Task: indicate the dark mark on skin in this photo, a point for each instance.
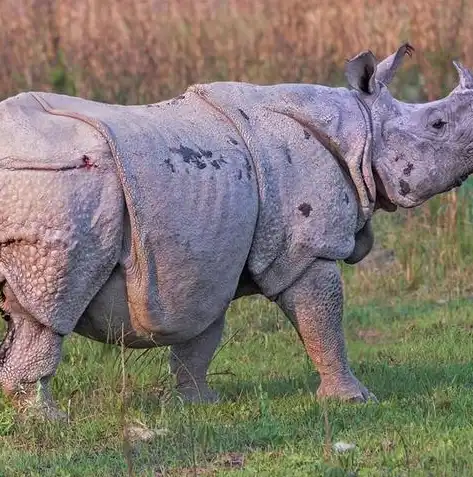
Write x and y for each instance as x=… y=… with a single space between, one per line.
x=346 y=199
x=244 y=114
x=408 y=169
x=288 y=155
x=399 y=156
x=305 y=208
x=205 y=153
x=170 y=164
x=239 y=174
x=216 y=163
x=405 y=187
x=248 y=167
x=306 y=134
x=233 y=141
x=189 y=156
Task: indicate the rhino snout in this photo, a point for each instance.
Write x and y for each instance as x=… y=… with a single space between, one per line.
x=398 y=191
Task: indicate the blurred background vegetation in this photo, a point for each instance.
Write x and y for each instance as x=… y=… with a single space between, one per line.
x=138 y=51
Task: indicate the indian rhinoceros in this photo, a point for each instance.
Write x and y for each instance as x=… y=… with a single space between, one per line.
x=145 y=222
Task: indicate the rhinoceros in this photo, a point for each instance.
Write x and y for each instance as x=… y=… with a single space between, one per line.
x=140 y=224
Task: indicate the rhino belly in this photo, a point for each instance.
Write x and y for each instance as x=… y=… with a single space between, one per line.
x=107 y=317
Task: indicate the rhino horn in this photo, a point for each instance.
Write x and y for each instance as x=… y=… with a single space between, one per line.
x=387 y=68
x=360 y=72
x=465 y=76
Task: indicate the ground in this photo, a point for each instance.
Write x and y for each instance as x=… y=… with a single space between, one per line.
x=415 y=356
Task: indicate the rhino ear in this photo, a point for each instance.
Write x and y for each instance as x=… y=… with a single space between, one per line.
x=360 y=72
x=465 y=76
x=387 y=68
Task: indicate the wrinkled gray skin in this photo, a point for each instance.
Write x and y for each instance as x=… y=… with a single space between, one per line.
x=150 y=220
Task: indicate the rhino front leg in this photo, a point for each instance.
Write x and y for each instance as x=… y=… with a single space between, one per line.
x=29 y=357
x=314 y=304
x=190 y=361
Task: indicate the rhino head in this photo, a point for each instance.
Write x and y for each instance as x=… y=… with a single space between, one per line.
x=418 y=150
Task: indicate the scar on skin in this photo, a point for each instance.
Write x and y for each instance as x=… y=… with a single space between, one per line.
x=88 y=164
x=305 y=208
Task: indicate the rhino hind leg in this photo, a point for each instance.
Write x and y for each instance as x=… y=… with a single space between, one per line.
x=314 y=305
x=29 y=356
x=190 y=361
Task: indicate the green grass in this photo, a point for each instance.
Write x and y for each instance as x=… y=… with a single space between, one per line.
x=415 y=356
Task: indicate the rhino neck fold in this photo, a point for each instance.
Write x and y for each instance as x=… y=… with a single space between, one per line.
x=342 y=124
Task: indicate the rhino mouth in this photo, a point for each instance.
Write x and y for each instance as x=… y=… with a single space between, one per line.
x=389 y=198
x=458 y=182
x=382 y=198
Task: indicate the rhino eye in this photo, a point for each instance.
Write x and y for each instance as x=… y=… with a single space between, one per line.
x=439 y=124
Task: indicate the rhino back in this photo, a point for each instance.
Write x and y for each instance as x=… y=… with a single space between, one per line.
x=192 y=203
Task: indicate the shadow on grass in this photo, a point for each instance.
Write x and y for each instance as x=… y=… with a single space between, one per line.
x=398 y=381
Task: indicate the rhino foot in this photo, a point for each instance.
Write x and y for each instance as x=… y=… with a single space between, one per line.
x=35 y=400
x=46 y=411
x=344 y=388
x=203 y=395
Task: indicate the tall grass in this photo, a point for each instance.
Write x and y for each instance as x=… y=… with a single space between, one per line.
x=136 y=51
x=144 y=50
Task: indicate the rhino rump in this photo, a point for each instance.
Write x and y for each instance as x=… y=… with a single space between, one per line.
x=62 y=212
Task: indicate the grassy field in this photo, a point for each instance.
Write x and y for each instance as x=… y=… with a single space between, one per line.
x=415 y=355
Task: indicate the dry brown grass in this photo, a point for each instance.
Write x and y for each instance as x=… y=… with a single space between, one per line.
x=135 y=51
